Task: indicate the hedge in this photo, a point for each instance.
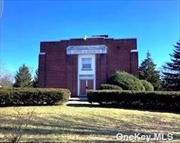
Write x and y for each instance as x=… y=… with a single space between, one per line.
x=147 y=85
x=110 y=87
x=33 y=96
x=126 y=81
x=137 y=99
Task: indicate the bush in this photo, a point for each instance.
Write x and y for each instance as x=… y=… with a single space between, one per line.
x=110 y=87
x=32 y=96
x=137 y=99
x=147 y=85
x=126 y=81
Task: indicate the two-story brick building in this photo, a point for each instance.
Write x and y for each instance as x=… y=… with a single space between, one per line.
x=87 y=62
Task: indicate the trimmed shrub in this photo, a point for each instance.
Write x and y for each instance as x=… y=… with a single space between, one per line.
x=33 y=96
x=126 y=81
x=110 y=87
x=147 y=85
x=157 y=100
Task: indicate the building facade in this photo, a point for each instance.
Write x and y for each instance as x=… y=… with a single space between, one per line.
x=80 y=64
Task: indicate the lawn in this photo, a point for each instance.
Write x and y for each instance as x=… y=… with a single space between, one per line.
x=83 y=124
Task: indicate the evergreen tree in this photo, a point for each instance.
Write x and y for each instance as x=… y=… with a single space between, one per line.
x=35 y=80
x=23 y=77
x=147 y=71
x=171 y=70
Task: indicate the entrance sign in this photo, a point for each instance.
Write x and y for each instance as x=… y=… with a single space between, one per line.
x=86 y=49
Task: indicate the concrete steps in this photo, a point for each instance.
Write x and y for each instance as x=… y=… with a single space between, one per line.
x=80 y=101
x=84 y=98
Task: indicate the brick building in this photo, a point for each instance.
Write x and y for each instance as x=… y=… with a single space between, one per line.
x=78 y=64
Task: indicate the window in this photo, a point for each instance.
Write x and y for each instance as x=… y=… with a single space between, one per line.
x=86 y=64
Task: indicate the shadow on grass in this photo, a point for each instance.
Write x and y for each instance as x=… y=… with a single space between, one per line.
x=131 y=107
x=70 y=125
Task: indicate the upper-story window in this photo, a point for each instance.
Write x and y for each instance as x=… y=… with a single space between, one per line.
x=86 y=64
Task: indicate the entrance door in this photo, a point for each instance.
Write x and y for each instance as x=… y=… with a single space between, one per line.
x=84 y=85
x=86 y=73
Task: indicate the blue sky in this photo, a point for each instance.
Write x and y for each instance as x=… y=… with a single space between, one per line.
x=24 y=23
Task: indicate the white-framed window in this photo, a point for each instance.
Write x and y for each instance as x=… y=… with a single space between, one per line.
x=86 y=64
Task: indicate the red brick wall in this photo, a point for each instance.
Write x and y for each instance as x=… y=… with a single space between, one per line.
x=42 y=71
x=56 y=69
x=101 y=69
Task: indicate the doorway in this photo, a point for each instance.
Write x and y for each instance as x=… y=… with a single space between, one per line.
x=86 y=73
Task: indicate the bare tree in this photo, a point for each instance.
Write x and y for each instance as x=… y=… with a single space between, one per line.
x=6 y=80
x=23 y=121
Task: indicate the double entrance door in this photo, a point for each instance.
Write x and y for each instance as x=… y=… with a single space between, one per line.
x=85 y=85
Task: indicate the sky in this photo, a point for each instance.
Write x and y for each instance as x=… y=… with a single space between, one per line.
x=24 y=23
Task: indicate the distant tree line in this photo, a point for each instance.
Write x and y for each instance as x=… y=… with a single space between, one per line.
x=169 y=79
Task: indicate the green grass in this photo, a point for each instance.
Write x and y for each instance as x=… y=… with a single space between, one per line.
x=83 y=124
